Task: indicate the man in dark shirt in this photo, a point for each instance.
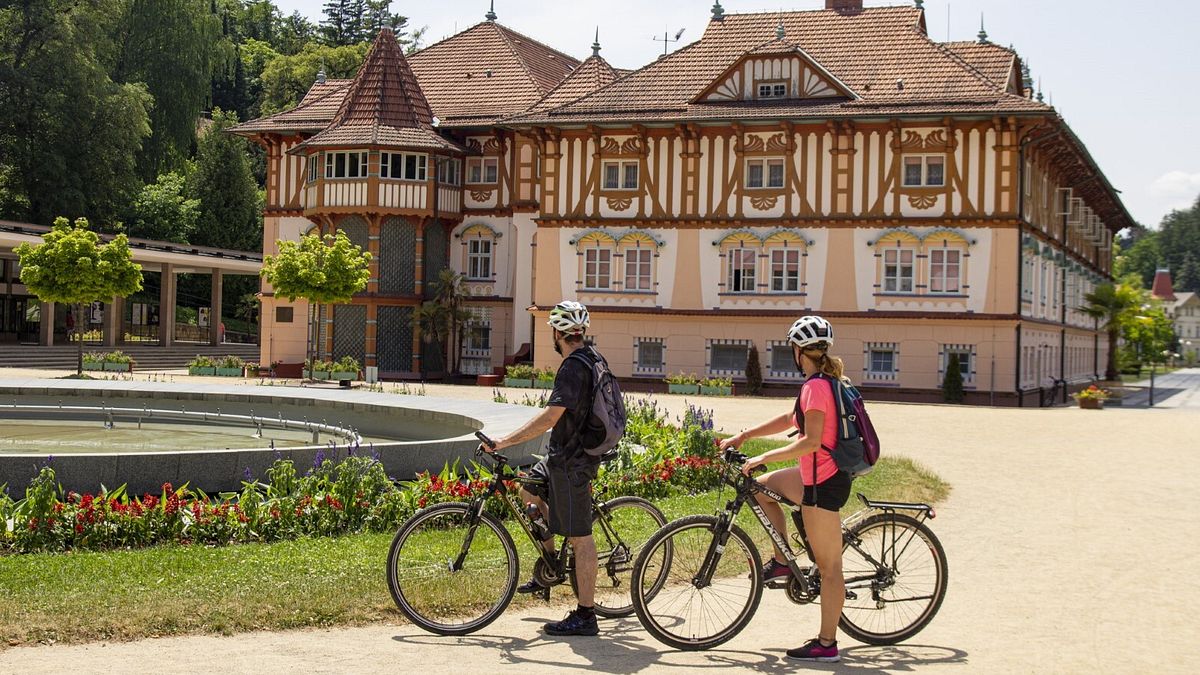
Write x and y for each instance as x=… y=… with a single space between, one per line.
x=567 y=469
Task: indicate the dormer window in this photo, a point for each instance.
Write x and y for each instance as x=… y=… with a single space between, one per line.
x=346 y=165
x=772 y=90
x=764 y=173
x=620 y=175
x=402 y=166
x=924 y=171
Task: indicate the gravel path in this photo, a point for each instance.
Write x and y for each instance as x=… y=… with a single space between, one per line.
x=1066 y=555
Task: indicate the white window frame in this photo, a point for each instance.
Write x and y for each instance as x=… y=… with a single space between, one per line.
x=766 y=181
x=626 y=174
x=944 y=276
x=356 y=158
x=450 y=172
x=479 y=260
x=899 y=277
x=774 y=351
x=967 y=369
x=711 y=351
x=641 y=368
x=593 y=259
x=924 y=161
x=870 y=352
x=732 y=267
x=641 y=260
x=774 y=89
x=488 y=170
x=782 y=277
x=312 y=168
x=395 y=166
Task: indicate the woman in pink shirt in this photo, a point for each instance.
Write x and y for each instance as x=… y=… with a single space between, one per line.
x=815 y=483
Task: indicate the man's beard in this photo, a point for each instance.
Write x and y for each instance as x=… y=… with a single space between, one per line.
x=557 y=346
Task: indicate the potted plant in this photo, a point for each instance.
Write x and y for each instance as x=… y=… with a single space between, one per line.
x=93 y=361
x=118 y=361
x=520 y=375
x=1092 y=398
x=683 y=383
x=202 y=365
x=231 y=366
x=252 y=369
x=544 y=378
x=717 y=386
x=345 y=369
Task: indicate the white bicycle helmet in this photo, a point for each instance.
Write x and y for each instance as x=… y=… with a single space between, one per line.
x=569 y=317
x=810 y=330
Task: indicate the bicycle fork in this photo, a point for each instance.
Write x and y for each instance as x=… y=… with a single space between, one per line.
x=456 y=565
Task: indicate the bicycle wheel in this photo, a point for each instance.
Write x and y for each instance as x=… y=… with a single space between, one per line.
x=425 y=588
x=681 y=615
x=633 y=521
x=900 y=587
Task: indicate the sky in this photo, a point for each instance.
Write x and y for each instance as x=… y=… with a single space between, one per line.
x=1122 y=73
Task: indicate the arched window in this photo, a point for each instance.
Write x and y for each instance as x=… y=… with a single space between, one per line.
x=638 y=251
x=596 y=252
x=740 y=251
x=896 y=251
x=785 y=253
x=947 y=254
x=479 y=249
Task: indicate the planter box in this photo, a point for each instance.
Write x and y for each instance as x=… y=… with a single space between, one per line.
x=683 y=388
x=1091 y=403
x=513 y=382
x=343 y=375
x=543 y=384
x=320 y=374
x=93 y=366
x=716 y=391
x=116 y=367
x=488 y=380
x=201 y=370
x=229 y=372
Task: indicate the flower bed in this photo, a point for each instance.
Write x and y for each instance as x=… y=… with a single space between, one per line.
x=654 y=460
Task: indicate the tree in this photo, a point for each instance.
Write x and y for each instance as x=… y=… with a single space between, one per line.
x=952 y=381
x=70 y=266
x=321 y=270
x=1178 y=236
x=1114 y=306
x=230 y=205
x=1140 y=257
x=443 y=318
x=1189 y=274
x=337 y=26
x=1148 y=333
x=754 y=379
x=286 y=79
x=163 y=211
x=294 y=34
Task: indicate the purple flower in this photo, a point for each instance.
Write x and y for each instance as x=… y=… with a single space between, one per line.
x=319 y=459
x=247 y=475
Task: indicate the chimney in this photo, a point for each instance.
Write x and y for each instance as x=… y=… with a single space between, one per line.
x=844 y=6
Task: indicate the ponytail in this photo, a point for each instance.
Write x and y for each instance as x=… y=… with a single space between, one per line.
x=831 y=366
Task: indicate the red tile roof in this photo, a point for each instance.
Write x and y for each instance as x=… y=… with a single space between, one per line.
x=992 y=61
x=881 y=53
x=488 y=72
x=1162 y=288
x=591 y=75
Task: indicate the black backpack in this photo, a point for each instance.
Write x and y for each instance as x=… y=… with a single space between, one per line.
x=608 y=406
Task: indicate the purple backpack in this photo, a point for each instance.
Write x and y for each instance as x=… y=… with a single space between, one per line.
x=857 y=449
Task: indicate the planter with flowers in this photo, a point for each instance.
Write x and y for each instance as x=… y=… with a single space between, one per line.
x=344 y=369
x=717 y=386
x=1092 y=398
x=683 y=383
x=202 y=365
x=520 y=375
x=544 y=379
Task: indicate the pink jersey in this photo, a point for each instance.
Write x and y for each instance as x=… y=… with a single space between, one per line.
x=817 y=394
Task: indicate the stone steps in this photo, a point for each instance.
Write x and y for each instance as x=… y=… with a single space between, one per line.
x=63 y=357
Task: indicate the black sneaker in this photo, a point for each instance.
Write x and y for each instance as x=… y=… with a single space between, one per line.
x=531 y=586
x=574 y=624
x=775 y=570
x=813 y=650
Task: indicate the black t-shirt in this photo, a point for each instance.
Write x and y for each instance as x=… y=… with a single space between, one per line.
x=573 y=391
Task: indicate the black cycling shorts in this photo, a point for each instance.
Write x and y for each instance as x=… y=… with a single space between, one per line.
x=832 y=494
x=568 y=493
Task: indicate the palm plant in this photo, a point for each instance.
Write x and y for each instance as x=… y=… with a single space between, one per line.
x=1113 y=305
x=442 y=318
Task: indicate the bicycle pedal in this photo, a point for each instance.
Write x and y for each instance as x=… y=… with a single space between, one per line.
x=544 y=594
x=781 y=582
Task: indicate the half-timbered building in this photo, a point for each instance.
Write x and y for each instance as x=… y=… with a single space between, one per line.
x=837 y=161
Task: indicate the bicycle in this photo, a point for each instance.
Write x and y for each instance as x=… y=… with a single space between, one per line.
x=452 y=568
x=894 y=567
x=1057 y=390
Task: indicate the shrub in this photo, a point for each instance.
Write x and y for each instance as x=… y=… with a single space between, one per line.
x=117 y=356
x=93 y=357
x=754 y=378
x=232 y=362
x=202 y=362
x=952 y=382
x=520 y=371
x=717 y=382
x=545 y=375
x=347 y=364
x=682 y=378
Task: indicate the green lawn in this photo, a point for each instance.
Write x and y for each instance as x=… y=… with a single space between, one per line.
x=78 y=597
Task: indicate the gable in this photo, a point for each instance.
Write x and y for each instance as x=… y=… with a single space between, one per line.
x=801 y=76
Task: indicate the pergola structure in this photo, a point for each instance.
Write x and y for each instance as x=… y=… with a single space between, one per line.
x=166 y=258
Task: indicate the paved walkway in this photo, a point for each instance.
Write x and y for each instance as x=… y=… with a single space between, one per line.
x=1066 y=555
x=1178 y=389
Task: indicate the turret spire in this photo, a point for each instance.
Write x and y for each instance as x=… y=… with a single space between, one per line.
x=983 y=38
x=780 y=31
x=596 y=44
x=718 y=12
x=491 y=15
x=920 y=4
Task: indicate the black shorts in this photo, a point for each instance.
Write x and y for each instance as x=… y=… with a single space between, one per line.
x=568 y=493
x=832 y=494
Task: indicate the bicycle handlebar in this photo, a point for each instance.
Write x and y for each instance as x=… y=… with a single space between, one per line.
x=485 y=441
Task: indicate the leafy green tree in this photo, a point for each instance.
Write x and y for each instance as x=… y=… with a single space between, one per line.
x=72 y=267
x=443 y=318
x=321 y=270
x=230 y=204
x=1114 y=306
x=168 y=46
x=286 y=79
x=1148 y=333
x=1178 y=236
x=295 y=32
x=69 y=134
x=754 y=378
x=952 y=381
x=163 y=211
x=1140 y=256
x=1189 y=274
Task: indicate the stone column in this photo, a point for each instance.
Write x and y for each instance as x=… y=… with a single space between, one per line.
x=214 y=315
x=114 y=313
x=46 y=327
x=166 y=307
